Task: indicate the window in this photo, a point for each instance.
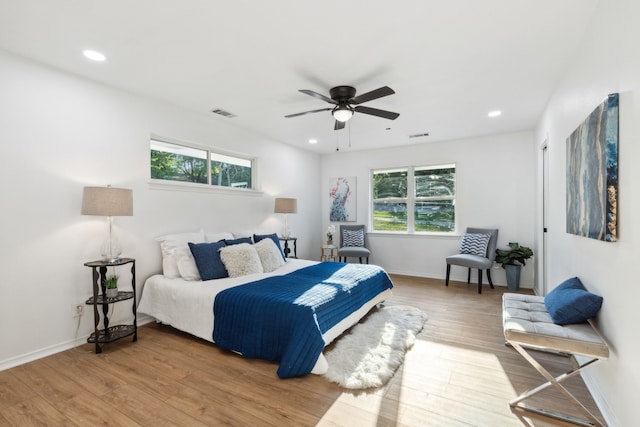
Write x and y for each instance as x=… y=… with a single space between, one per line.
x=414 y=199
x=176 y=162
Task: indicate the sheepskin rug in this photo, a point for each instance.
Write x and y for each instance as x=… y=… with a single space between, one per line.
x=370 y=353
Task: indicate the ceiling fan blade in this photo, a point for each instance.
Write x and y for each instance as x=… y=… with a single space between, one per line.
x=339 y=125
x=378 y=113
x=374 y=94
x=317 y=95
x=307 y=112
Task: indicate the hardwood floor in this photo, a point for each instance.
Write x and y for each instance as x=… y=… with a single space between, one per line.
x=459 y=373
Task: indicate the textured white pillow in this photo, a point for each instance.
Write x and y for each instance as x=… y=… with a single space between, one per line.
x=240 y=260
x=187 y=264
x=270 y=255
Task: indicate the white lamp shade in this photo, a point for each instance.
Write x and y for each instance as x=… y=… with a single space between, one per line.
x=285 y=205
x=107 y=201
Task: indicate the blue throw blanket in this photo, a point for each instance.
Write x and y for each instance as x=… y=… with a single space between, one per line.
x=282 y=318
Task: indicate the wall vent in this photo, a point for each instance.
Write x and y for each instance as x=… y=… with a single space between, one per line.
x=223 y=113
x=418 y=135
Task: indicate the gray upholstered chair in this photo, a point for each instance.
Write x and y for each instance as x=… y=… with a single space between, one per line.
x=349 y=247
x=476 y=261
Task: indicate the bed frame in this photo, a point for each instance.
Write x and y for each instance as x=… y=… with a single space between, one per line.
x=528 y=325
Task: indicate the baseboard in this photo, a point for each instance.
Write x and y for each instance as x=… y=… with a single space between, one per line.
x=453 y=278
x=56 y=348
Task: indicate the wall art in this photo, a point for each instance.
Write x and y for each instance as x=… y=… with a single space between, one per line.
x=342 y=194
x=592 y=174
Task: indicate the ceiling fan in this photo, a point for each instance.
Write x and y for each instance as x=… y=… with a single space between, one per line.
x=344 y=98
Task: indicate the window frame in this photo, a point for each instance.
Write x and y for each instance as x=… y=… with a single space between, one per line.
x=208 y=186
x=411 y=200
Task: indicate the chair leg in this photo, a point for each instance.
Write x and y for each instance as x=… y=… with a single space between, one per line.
x=469 y=276
x=367 y=260
x=479 y=280
x=489 y=277
x=446 y=282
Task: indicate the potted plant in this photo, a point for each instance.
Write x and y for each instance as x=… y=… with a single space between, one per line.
x=111 y=285
x=330 y=231
x=512 y=260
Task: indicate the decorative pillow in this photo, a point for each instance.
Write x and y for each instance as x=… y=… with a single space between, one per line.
x=570 y=303
x=169 y=243
x=207 y=256
x=273 y=237
x=241 y=259
x=216 y=237
x=475 y=244
x=353 y=238
x=242 y=233
x=187 y=264
x=230 y=242
x=270 y=255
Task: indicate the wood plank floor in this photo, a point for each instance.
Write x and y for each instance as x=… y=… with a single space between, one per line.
x=459 y=373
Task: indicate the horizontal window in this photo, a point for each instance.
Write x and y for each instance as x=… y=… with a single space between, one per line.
x=181 y=163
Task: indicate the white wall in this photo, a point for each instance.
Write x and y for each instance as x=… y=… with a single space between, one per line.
x=495 y=186
x=59 y=133
x=607 y=62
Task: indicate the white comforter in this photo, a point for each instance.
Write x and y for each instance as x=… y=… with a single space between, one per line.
x=188 y=305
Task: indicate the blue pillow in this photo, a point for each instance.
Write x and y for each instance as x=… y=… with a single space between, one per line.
x=274 y=237
x=207 y=256
x=570 y=303
x=237 y=241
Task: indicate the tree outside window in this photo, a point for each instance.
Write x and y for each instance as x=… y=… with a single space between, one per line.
x=175 y=162
x=414 y=199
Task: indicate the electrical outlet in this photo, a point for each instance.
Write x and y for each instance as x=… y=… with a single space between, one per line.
x=77 y=310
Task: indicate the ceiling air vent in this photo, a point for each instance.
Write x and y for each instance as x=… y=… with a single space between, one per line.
x=223 y=113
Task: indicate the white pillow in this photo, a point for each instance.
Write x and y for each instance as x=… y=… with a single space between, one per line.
x=242 y=233
x=169 y=244
x=216 y=237
x=270 y=255
x=240 y=260
x=187 y=264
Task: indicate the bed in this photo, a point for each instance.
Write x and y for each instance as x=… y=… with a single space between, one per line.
x=188 y=305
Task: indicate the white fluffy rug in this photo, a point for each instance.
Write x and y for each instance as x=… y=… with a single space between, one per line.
x=370 y=353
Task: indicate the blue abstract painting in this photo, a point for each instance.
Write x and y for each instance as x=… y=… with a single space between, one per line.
x=592 y=174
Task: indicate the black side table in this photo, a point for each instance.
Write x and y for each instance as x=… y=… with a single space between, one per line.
x=110 y=333
x=286 y=248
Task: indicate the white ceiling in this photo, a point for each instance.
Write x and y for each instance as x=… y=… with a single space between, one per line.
x=450 y=62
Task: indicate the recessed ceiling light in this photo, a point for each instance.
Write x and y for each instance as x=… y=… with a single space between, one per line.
x=94 y=55
x=313 y=141
x=495 y=113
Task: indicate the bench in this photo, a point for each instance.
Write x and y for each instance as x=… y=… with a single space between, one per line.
x=528 y=325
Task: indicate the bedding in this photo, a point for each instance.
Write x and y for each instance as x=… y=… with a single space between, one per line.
x=188 y=305
x=297 y=307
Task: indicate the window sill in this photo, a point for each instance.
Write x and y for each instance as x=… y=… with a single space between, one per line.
x=157 y=184
x=418 y=235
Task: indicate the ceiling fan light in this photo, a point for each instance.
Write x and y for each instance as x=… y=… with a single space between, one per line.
x=342 y=113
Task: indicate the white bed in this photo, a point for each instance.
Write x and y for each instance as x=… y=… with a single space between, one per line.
x=188 y=305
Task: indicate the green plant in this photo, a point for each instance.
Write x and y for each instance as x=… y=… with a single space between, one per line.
x=515 y=255
x=111 y=281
